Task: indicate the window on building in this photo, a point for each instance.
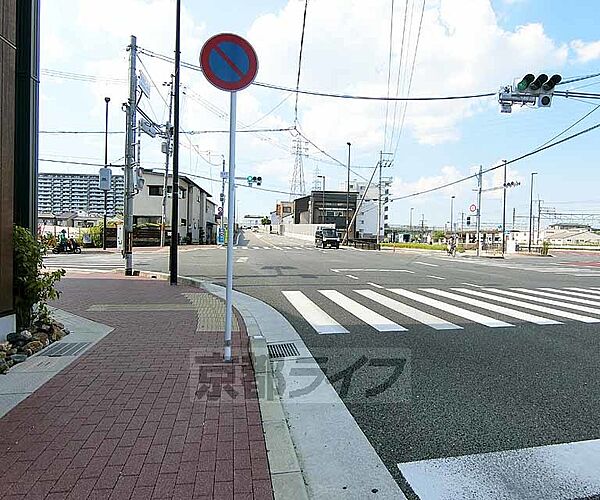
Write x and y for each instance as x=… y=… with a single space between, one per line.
x=155 y=190
x=183 y=222
x=362 y=221
x=182 y=193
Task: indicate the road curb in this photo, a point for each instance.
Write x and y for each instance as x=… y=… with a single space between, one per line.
x=286 y=476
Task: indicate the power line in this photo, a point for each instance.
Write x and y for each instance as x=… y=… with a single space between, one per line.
x=300 y=61
x=514 y=160
x=412 y=71
x=387 y=104
x=331 y=94
x=570 y=126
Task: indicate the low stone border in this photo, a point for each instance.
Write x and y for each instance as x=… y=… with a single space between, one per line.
x=286 y=477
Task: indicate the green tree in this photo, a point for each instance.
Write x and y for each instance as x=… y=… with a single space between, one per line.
x=438 y=235
x=265 y=221
x=32 y=286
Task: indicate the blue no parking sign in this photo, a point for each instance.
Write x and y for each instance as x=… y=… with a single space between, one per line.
x=228 y=62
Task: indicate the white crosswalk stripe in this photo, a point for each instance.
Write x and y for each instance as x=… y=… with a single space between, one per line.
x=551 y=302
x=320 y=317
x=554 y=293
x=529 y=305
x=588 y=291
x=406 y=310
x=457 y=311
x=377 y=321
x=488 y=306
x=313 y=314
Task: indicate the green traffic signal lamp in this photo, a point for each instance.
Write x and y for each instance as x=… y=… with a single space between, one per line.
x=551 y=83
x=525 y=82
x=249 y=178
x=538 y=82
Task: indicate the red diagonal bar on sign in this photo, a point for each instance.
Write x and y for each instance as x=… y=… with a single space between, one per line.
x=229 y=61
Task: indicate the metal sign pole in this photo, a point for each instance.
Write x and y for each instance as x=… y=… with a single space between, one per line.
x=230 y=228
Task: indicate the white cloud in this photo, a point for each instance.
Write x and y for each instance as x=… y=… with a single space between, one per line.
x=586 y=51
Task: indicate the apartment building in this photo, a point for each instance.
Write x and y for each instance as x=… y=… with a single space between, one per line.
x=61 y=193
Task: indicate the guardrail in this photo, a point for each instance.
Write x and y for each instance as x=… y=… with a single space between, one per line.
x=365 y=244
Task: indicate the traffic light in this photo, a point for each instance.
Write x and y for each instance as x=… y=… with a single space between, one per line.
x=529 y=90
x=525 y=82
x=253 y=179
x=538 y=82
x=468 y=220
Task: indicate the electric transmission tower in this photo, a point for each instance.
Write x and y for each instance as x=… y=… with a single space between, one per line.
x=316 y=182
x=297 y=185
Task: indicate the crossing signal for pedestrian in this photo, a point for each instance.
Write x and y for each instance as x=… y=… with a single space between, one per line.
x=253 y=179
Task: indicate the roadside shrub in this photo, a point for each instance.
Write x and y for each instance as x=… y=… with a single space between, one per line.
x=32 y=286
x=424 y=246
x=545 y=247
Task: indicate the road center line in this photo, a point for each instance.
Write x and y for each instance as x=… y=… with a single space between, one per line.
x=426 y=264
x=375 y=285
x=351 y=276
x=436 y=277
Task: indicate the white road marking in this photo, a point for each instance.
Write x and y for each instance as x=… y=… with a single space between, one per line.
x=436 y=277
x=472 y=284
x=335 y=270
x=278 y=248
x=457 y=311
x=528 y=305
x=406 y=310
x=552 y=472
x=550 y=302
x=242 y=259
x=298 y=248
x=351 y=276
x=587 y=291
x=556 y=293
x=375 y=270
x=426 y=264
x=377 y=321
x=267 y=248
x=255 y=248
x=513 y=313
x=313 y=314
x=375 y=285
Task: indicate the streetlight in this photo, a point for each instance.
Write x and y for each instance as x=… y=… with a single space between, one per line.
x=504 y=213
x=411 y=211
x=348 y=199
x=323 y=204
x=531 y=211
x=106 y=100
x=452 y=215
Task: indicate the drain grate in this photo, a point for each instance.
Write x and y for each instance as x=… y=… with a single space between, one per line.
x=287 y=350
x=65 y=349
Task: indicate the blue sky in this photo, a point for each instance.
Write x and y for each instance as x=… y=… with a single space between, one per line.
x=465 y=46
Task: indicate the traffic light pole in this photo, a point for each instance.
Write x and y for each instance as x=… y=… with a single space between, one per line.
x=480 y=181
x=504 y=213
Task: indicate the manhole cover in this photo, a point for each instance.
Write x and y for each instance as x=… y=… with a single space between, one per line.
x=287 y=350
x=65 y=349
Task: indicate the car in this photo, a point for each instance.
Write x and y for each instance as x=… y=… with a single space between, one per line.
x=255 y=229
x=327 y=236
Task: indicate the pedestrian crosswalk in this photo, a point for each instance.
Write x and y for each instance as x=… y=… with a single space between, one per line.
x=276 y=247
x=327 y=311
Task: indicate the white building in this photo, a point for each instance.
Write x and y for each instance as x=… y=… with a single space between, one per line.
x=366 y=219
x=197 y=220
x=61 y=193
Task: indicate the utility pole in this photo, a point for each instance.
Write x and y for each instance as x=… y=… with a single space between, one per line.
x=539 y=220
x=480 y=182
x=462 y=222
x=514 y=218
x=504 y=212
x=410 y=221
x=130 y=160
x=175 y=190
x=379 y=200
x=452 y=216
x=106 y=100
x=163 y=217
x=531 y=211
x=348 y=198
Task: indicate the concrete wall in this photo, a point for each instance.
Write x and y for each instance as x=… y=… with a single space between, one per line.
x=301 y=231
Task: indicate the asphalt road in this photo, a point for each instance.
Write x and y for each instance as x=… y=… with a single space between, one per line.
x=468 y=384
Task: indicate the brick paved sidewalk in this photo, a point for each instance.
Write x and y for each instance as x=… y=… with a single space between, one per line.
x=147 y=412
